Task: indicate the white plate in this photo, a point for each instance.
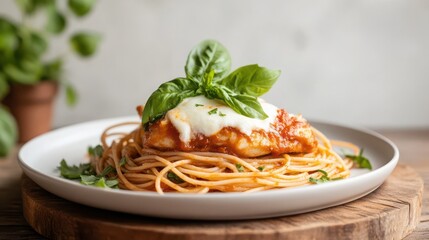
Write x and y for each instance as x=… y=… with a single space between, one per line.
x=40 y=157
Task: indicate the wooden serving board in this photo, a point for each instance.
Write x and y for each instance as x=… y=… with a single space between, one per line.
x=390 y=212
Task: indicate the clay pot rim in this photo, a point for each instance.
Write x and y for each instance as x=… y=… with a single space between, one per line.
x=43 y=91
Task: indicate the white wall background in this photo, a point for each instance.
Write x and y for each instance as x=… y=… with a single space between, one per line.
x=353 y=62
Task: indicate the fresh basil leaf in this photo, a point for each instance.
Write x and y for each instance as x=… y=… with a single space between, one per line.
x=98 y=151
x=52 y=70
x=32 y=66
x=56 y=22
x=31 y=6
x=27 y=6
x=168 y=96
x=208 y=88
x=251 y=80
x=206 y=56
x=33 y=43
x=8 y=42
x=38 y=43
x=243 y=104
x=6 y=24
x=100 y=182
x=206 y=65
x=88 y=179
x=106 y=171
x=174 y=178
x=4 y=86
x=81 y=7
x=360 y=160
x=112 y=183
x=73 y=171
x=71 y=95
x=85 y=44
x=8 y=132
x=18 y=75
x=90 y=151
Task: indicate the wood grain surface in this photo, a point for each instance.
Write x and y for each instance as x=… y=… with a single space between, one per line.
x=390 y=212
x=412 y=143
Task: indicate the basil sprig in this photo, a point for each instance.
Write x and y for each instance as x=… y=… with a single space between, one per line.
x=207 y=73
x=360 y=160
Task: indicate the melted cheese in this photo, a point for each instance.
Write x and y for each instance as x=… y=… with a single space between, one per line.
x=190 y=118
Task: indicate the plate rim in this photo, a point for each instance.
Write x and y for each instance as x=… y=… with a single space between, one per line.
x=218 y=200
x=392 y=161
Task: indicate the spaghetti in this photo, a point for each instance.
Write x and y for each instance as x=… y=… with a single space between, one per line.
x=144 y=169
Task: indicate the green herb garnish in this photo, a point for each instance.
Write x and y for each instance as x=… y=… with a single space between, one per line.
x=261 y=168
x=239 y=167
x=213 y=111
x=208 y=73
x=96 y=151
x=361 y=161
x=174 y=178
x=90 y=151
x=222 y=114
x=325 y=174
x=86 y=174
x=199 y=105
x=99 y=181
x=324 y=178
x=107 y=170
x=123 y=161
x=73 y=171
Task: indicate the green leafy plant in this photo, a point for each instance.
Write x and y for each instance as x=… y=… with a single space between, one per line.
x=23 y=49
x=208 y=73
x=8 y=132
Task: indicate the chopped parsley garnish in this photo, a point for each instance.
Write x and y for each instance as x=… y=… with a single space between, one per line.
x=123 y=161
x=261 y=168
x=213 y=111
x=87 y=176
x=174 y=178
x=239 y=167
x=107 y=170
x=96 y=151
x=99 y=181
x=361 y=161
x=74 y=172
x=324 y=178
x=222 y=114
x=90 y=151
x=323 y=172
x=199 y=105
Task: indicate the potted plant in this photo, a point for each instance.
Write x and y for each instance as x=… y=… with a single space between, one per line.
x=28 y=79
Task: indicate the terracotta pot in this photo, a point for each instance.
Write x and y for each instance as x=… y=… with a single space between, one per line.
x=32 y=107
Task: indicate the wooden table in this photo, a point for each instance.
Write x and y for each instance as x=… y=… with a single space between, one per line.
x=413 y=146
